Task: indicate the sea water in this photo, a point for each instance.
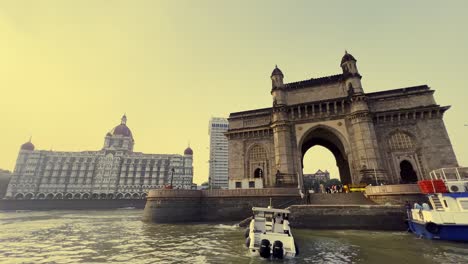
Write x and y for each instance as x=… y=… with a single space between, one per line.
x=119 y=236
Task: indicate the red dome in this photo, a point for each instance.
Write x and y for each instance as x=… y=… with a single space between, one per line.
x=27 y=146
x=188 y=151
x=122 y=130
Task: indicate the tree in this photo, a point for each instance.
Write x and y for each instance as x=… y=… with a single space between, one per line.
x=332 y=182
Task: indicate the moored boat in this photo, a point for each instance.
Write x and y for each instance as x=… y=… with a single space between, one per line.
x=447 y=216
x=269 y=234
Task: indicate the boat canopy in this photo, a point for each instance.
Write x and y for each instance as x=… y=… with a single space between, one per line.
x=271 y=210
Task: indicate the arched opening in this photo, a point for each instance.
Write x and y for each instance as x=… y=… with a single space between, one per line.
x=50 y=196
x=258 y=173
x=102 y=196
x=143 y=196
x=68 y=196
x=85 y=196
x=258 y=165
x=110 y=196
x=58 y=196
x=407 y=173
x=136 y=196
x=41 y=196
x=119 y=196
x=77 y=196
x=19 y=196
x=28 y=196
x=95 y=196
x=127 y=196
x=324 y=137
x=320 y=170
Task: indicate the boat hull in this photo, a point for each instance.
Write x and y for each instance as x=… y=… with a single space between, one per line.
x=444 y=232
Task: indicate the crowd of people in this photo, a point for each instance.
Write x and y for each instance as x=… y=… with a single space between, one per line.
x=334 y=188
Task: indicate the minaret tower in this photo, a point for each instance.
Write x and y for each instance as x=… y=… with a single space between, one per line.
x=282 y=135
x=361 y=126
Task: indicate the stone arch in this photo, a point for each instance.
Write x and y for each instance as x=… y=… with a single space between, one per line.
x=102 y=196
x=49 y=196
x=120 y=196
x=143 y=196
x=77 y=196
x=334 y=141
x=110 y=196
x=258 y=159
x=95 y=196
x=407 y=172
x=19 y=196
x=402 y=144
x=135 y=196
x=68 y=196
x=58 y=196
x=85 y=196
x=127 y=196
x=41 y=196
x=29 y=196
x=258 y=173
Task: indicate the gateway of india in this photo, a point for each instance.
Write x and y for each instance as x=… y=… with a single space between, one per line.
x=393 y=136
x=114 y=172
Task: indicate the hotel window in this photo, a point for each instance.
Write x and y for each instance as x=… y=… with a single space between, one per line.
x=251 y=184
x=238 y=185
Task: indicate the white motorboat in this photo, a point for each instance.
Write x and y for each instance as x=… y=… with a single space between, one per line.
x=269 y=234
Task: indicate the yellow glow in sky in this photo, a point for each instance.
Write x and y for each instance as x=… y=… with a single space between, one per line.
x=70 y=69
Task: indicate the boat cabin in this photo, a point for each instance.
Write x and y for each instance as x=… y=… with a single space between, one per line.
x=270 y=220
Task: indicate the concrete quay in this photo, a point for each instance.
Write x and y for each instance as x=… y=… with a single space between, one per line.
x=175 y=206
x=104 y=204
x=327 y=211
x=365 y=217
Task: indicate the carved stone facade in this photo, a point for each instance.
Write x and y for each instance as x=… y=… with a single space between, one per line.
x=115 y=172
x=393 y=136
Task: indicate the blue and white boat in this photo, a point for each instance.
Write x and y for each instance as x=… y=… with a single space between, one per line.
x=447 y=216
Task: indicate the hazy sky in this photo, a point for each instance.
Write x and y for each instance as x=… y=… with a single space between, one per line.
x=70 y=69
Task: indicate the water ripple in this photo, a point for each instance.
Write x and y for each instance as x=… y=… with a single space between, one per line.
x=119 y=236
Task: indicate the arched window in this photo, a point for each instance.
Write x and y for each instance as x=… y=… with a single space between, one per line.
x=257 y=153
x=258 y=173
x=400 y=140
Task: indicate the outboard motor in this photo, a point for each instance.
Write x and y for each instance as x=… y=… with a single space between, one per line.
x=265 y=248
x=278 y=249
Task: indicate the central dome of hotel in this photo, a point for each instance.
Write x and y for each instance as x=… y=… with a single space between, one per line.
x=122 y=129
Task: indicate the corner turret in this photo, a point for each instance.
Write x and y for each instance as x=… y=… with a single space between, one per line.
x=351 y=74
x=277 y=86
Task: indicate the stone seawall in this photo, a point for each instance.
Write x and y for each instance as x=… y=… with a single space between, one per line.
x=372 y=217
x=171 y=206
x=396 y=194
x=70 y=204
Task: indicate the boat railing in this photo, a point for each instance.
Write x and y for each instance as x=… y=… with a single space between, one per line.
x=450 y=174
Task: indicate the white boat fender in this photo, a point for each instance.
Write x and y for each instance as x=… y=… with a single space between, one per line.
x=265 y=248
x=432 y=228
x=278 y=249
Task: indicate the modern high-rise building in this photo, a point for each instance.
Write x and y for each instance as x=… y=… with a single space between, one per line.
x=114 y=172
x=218 y=152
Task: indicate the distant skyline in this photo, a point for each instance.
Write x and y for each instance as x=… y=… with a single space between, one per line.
x=70 y=69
